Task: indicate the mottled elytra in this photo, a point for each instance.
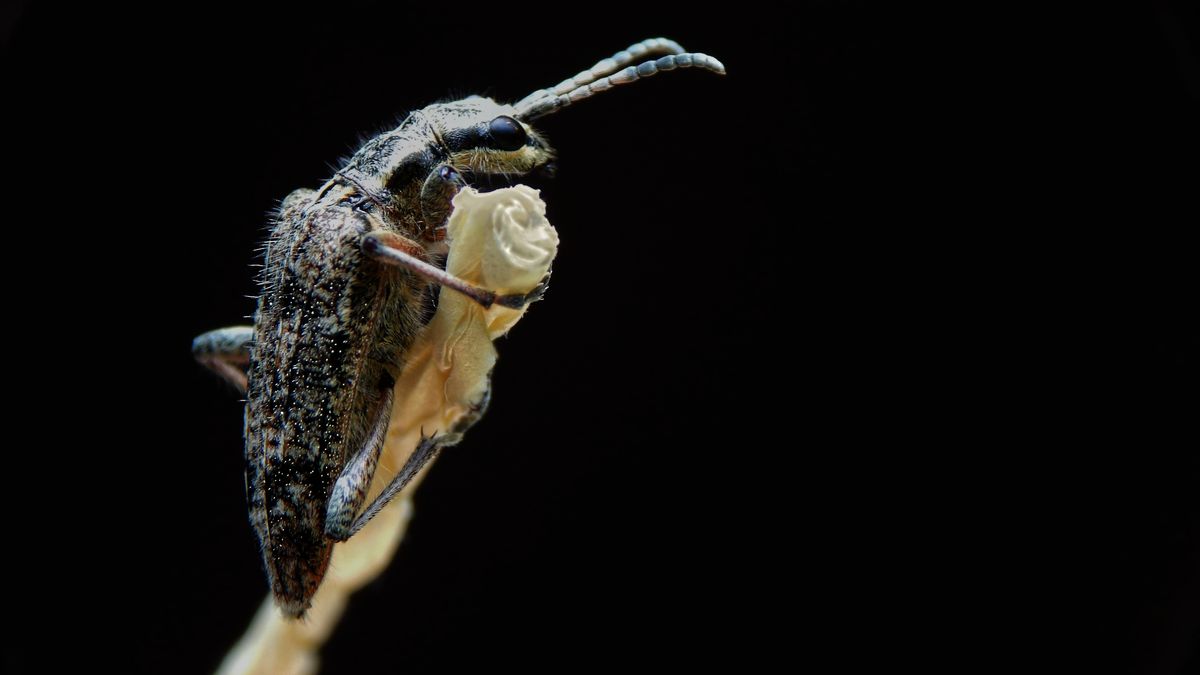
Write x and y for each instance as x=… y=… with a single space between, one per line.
x=343 y=292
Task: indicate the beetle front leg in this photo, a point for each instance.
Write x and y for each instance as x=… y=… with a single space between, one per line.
x=436 y=194
x=226 y=351
x=393 y=249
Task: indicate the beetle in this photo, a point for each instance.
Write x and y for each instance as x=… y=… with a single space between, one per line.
x=344 y=286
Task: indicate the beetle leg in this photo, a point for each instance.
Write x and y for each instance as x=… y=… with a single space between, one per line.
x=226 y=351
x=426 y=450
x=391 y=248
x=350 y=490
x=439 y=188
x=338 y=518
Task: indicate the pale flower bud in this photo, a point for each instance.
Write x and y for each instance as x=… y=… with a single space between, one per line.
x=501 y=240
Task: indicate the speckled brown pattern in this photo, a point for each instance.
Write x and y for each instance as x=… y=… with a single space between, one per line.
x=330 y=325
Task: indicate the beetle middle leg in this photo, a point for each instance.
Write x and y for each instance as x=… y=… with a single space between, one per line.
x=393 y=249
x=226 y=351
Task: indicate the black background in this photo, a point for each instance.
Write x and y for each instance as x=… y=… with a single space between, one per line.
x=833 y=343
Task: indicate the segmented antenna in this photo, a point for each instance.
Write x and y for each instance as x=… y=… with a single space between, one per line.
x=641 y=50
x=601 y=77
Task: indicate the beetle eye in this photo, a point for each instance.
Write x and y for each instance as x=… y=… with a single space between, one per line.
x=506 y=133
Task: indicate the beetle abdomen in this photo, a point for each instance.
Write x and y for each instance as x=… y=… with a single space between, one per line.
x=314 y=384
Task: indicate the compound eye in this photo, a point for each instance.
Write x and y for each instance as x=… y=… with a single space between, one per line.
x=506 y=133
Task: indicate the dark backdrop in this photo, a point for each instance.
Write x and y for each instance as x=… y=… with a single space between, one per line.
x=821 y=334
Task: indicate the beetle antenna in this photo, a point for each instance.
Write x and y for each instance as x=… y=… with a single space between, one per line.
x=604 y=75
x=643 y=50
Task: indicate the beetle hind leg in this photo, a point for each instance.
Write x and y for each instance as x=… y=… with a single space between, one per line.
x=340 y=516
x=350 y=489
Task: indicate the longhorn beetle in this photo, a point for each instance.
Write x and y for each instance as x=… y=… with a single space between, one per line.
x=343 y=287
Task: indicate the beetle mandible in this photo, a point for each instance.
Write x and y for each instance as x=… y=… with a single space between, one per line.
x=343 y=293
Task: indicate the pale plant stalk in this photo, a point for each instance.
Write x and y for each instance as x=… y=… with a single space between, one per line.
x=499 y=240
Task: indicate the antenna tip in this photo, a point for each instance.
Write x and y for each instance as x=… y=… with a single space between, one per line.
x=710 y=63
